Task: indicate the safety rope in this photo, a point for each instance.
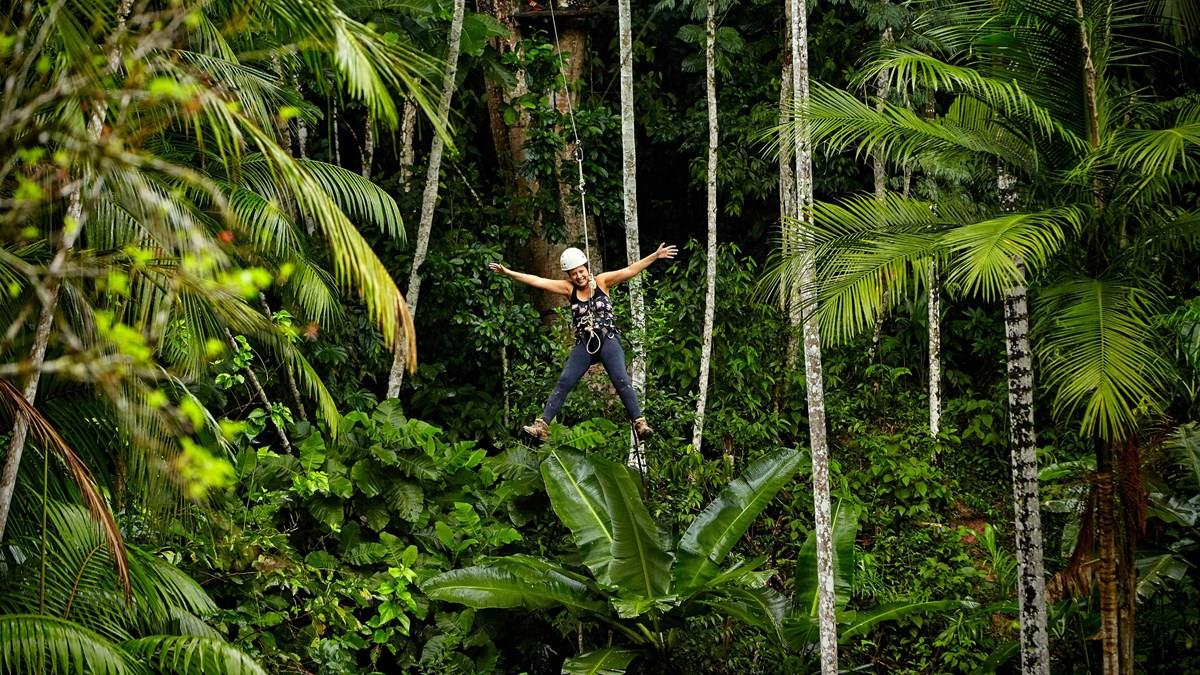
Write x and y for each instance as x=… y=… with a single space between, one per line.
x=578 y=155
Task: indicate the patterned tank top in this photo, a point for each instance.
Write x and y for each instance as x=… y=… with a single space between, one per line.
x=598 y=306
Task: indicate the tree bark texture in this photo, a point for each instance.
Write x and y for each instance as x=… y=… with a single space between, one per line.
x=935 y=350
x=787 y=195
x=710 y=296
x=629 y=182
x=72 y=229
x=1107 y=531
x=408 y=130
x=368 y=146
x=879 y=169
x=813 y=376
x=1031 y=582
x=429 y=197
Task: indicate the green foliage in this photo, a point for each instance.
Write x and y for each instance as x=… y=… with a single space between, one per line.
x=639 y=583
x=324 y=551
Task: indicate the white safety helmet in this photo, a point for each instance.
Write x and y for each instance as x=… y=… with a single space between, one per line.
x=572 y=258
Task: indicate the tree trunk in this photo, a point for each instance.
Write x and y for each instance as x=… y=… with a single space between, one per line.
x=710 y=299
x=935 y=350
x=1031 y=582
x=408 y=129
x=629 y=182
x=72 y=228
x=879 y=167
x=429 y=197
x=368 y=147
x=1107 y=530
x=813 y=376
x=787 y=196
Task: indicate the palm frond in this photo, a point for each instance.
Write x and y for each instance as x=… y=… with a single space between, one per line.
x=190 y=655
x=32 y=643
x=984 y=255
x=14 y=402
x=1098 y=344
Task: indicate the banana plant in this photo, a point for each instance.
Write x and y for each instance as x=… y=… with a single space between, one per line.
x=638 y=583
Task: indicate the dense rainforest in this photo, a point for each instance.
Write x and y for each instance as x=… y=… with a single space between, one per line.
x=286 y=286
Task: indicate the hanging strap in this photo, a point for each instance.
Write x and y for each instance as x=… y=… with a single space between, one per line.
x=578 y=154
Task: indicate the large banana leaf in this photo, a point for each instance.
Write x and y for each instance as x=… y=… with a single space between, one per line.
x=641 y=564
x=607 y=661
x=762 y=608
x=845 y=528
x=713 y=534
x=578 y=500
x=513 y=583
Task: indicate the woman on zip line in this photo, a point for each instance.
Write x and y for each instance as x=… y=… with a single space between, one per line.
x=596 y=336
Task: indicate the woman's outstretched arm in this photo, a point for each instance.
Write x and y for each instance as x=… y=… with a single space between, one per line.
x=560 y=286
x=610 y=279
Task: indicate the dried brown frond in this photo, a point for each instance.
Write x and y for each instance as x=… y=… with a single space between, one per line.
x=15 y=404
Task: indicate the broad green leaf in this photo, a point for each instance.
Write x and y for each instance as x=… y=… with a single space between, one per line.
x=845 y=528
x=607 y=661
x=714 y=533
x=762 y=608
x=640 y=564
x=578 y=500
x=510 y=585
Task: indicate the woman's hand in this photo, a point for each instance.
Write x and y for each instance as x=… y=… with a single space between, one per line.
x=666 y=252
x=498 y=268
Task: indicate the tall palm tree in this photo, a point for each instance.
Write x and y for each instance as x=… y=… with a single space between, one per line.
x=1084 y=197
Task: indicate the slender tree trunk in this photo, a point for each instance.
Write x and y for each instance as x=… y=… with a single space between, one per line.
x=813 y=376
x=879 y=166
x=1031 y=582
x=629 y=181
x=72 y=228
x=368 y=146
x=429 y=197
x=935 y=350
x=334 y=141
x=1107 y=529
x=787 y=195
x=710 y=299
x=408 y=129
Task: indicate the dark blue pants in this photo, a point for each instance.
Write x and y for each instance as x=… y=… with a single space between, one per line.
x=613 y=358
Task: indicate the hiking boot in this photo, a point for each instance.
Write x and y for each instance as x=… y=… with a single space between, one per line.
x=642 y=428
x=539 y=429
